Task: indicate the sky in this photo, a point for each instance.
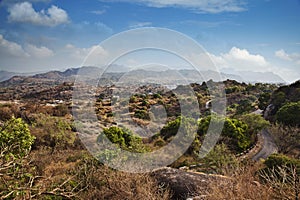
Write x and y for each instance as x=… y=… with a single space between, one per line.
x=238 y=35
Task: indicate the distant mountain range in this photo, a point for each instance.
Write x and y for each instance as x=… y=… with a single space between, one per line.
x=120 y=74
x=5 y=75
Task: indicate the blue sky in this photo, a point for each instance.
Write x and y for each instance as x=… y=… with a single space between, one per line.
x=243 y=35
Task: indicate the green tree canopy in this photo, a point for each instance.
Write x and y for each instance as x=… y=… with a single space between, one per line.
x=236 y=131
x=264 y=100
x=172 y=127
x=289 y=114
x=124 y=138
x=245 y=106
x=255 y=122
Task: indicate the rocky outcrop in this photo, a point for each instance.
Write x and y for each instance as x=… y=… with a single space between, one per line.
x=185 y=185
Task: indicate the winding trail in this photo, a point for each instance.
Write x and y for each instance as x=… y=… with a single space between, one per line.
x=268 y=146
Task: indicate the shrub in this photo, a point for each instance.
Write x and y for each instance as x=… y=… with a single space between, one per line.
x=235 y=132
x=245 y=106
x=172 y=127
x=124 y=138
x=255 y=122
x=280 y=160
x=264 y=100
x=289 y=114
x=15 y=136
x=283 y=175
x=55 y=132
x=220 y=160
x=141 y=114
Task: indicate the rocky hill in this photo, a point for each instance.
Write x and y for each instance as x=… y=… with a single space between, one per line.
x=281 y=96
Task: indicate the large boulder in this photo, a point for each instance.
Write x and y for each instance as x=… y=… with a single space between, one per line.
x=184 y=184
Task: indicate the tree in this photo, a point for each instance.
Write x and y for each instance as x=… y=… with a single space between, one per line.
x=15 y=138
x=187 y=124
x=235 y=132
x=238 y=132
x=264 y=100
x=244 y=106
x=278 y=98
x=289 y=114
x=255 y=122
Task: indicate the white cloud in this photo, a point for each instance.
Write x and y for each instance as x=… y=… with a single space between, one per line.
x=38 y=52
x=139 y=24
x=243 y=55
x=241 y=60
x=80 y=54
x=11 y=48
x=25 y=13
x=204 y=6
x=294 y=57
x=77 y=53
x=282 y=55
x=15 y=57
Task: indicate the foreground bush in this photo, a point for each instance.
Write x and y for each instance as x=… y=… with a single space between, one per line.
x=282 y=174
x=15 y=138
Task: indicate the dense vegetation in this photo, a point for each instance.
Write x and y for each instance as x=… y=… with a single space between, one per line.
x=41 y=155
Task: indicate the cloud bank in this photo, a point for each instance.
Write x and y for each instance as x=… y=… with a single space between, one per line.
x=25 y=13
x=294 y=57
x=241 y=60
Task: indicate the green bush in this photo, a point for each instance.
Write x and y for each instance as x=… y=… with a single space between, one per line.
x=170 y=129
x=220 y=160
x=279 y=98
x=16 y=138
x=245 y=106
x=280 y=160
x=264 y=100
x=236 y=131
x=255 y=122
x=124 y=138
x=289 y=114
x=141 y=114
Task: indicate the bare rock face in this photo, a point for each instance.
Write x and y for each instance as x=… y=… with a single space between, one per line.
x=185 y=185
x=269 y=111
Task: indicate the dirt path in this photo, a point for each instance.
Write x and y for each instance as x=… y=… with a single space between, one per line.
x=268 y=147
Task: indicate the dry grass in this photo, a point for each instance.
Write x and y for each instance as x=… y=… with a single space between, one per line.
x=242 y=185
x=120 y=185
x=81 y=176
x=287 y=139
